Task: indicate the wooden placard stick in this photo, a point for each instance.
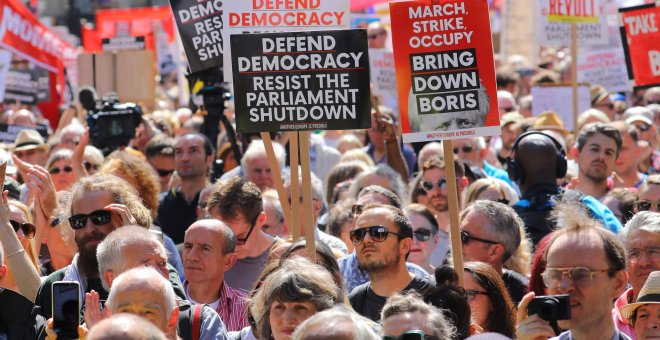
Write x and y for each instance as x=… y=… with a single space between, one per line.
x=574 y=80
x=308 y=215
x=294 y=229
x=277 y=177
x=452 y=197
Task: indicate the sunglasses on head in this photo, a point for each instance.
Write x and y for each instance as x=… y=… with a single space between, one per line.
x=440 y=184
x=28 y=228
x=465 y=149
x=466 y=238
x=55 y=171
x=98 y=217
x=644 y=205
x=163 y=172
x=377 y=233
x=423 y=234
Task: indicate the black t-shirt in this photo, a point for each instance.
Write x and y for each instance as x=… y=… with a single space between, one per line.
x=175 y=215
x=516 y=284
x=369 y=304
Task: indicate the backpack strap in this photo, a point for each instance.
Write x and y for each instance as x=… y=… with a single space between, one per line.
x=197 y=315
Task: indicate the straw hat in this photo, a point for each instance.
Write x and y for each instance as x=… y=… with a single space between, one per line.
x=29 y=139
x=549 y=120
x=598 y=93
x=650 y=294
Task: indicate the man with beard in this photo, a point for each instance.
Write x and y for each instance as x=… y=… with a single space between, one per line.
x=597 y=148
x=177 y=209
x=434 y=182
x=99 y=205
x=641 y=238
x=382 y=239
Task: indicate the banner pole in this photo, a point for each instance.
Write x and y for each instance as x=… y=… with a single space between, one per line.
x=295 y=186
x=452 y=197
x=277 y=177
x=574 y=80
x=308 y=216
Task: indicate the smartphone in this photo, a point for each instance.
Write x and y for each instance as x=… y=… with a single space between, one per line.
x=66 y=309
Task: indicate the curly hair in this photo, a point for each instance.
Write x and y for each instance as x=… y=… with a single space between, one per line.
x=137 y=172
x=122 y=193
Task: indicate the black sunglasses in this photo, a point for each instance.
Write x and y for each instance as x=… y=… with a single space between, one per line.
x=466 y=238
x=440 y=184
x=643 y=127
x=375 y=35
x=55 y=171
x=423 y=234
x=163 y=172
x=28 y=228
x=98 y=217
x=411 y=335
x=242 y=241
x=377 y=233
x=503 y=201
x=89 y=166
x=465 y=149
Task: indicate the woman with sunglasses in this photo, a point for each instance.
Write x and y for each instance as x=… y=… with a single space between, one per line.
x=489 y=301
x=20 y=220
x=61 y=170
x=426 y=236
x=19 y=255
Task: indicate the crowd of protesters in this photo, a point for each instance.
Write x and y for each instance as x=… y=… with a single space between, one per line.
x=162 y=251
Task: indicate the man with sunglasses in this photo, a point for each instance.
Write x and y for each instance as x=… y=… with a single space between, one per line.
x=473 y=151
x=491 y=232
x=587 y=262
x=238 y=203
x=641 y=238
x=648 y=195
x=382 y=239
x=377 y=35
x=160 y=155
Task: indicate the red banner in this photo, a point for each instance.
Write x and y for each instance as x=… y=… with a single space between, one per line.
x=444 y=69
x=640 y=31
x=134 y=22
x=23 y=34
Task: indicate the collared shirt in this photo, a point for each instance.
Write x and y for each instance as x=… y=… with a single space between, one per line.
x=621 y=322
x=231 y=306
x=567 y=336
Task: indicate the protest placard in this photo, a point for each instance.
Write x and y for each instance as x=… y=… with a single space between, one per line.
x=560 y=99
x=445 y=70
x=260 y=16
x=640 y=32
x=8 y=133
x=606 y=67
x=27 y=86
x=554 y=19
x=313 y=80
x=126 y=43
x=383 y=77
x=200 y=26
x=5 y=64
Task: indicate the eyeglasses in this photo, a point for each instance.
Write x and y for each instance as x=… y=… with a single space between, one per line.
x=98 y=217
x=377 y=233
x=376 y=35
x=164 y=173
x=55 y=171
x=472 y=294
x=242 y=241
x=634 y=254
x=643 y=127
x=440 y=184
x=411 y=335
x=465 y=149
x=89 y=166
x=581 y=276
x=645 y=205
x=466 y=238
x=28 y=228
x=423 y=234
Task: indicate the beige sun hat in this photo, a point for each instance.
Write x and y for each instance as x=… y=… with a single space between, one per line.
x=29 y=139
x=649 y=294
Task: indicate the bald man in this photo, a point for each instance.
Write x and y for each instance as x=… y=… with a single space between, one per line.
x=124 y=326
x=209 y=250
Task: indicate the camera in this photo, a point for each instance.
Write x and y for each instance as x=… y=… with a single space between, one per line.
x=551 y=307
x=112 y=124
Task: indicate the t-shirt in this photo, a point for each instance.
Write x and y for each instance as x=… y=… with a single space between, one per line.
x=516 y=284
x=175 y=215
x=368 y=304
x=246 y=271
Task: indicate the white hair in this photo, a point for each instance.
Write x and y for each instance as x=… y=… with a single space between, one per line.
x=93 y=155
x=144 y=276
x=75 y=128
x=338 y=321
x=648 y=221
x=257 y=147
x=109 y=252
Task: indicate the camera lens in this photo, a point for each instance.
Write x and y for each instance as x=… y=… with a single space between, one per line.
x=549 y=309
